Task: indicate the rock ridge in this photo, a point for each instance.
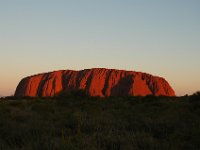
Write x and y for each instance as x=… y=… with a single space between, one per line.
x=96 y=82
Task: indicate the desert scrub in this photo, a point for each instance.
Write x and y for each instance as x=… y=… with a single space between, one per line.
x=115 y=123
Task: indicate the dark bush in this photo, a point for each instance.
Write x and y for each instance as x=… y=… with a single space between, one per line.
x=72 y=93
x=116 y=123
x=18 y=98
x=195 y=96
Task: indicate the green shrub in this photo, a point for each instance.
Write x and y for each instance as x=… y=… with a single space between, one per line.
x=72 y=93
x=116 y=123
x=195 y=96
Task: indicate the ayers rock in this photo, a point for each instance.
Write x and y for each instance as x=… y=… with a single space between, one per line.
x=96 y=82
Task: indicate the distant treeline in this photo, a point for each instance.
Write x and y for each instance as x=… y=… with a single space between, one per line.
x=84 y=94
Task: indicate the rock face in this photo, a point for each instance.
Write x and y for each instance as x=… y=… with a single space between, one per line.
x=96 y=82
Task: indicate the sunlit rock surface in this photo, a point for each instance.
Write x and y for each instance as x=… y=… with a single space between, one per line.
x=96 y=82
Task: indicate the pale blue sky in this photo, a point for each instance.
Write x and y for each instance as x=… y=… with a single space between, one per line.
x=161 y=37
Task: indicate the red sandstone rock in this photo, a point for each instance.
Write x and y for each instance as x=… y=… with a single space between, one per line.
x=96 y=82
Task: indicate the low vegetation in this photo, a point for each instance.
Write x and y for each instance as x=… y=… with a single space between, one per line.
x=76 y=122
